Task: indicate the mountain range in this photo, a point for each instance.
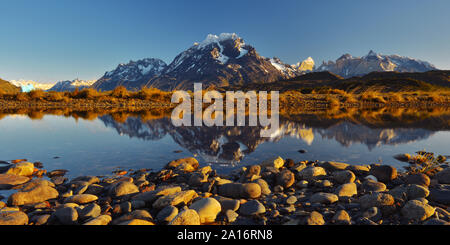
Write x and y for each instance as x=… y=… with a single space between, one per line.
x=225 y=60
x=71 y=85
x=349 y=66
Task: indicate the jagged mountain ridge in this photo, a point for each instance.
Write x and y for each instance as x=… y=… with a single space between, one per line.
x=131 y=75
x=349 y=66
x=217 y=61
x=62 y=86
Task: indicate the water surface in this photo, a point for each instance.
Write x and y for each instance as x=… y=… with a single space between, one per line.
x=102 y=144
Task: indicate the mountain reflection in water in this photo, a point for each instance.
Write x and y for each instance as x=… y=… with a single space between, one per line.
x=225 y=144
x=94 y=142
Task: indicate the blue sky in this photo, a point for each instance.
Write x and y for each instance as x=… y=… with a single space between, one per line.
x=52 y=40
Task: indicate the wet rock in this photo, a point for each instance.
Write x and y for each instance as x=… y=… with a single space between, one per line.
x=440 y=194
x=265 y=190
x=443 y=176
x=35 y=191
x=81 y=199
x=341 y=218
x=7 y=181
x=137 y=204
x=58 y=180
x=333 y=166
x=251 y=190
x=372 y=213
x=175 y=199
x=189 y=164
x=276 y=162
x=418 y=179
x=409 y=192
x=186 y=217
x=207 y=209
x=167 y=214
x=231 y=215
x=302 y=184
x=228 y=204
x=237 y=190
x=347 y=190
x=21 y=169
x=416 y=210
x=151 y=196
x=89 y=179
x=405 y=157
x=315 y=218
x=100 y=220
x=57 y=172
x=345 y=176
x=310 y=173
x=230 y=190
x=67 y=215
x=323 y=183
x=375 y=186
x=197 y=179
x=289 y=163
x=358 y=169
x=285 y=178
x=376 y=200
x=40 y=219
x=324 y=198
x=94 y=189
x=253 y=170
x=123 y=188
x=90 y=211
x=384 y=173
x=136 y=214
x=291 y=200
x=13 y=218
x=252 y=207
x=81 y=189
x=137 y=222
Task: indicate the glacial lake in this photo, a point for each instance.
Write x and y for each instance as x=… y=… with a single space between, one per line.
x=100 y=144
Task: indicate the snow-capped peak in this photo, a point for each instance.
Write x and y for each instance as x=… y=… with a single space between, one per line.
x=134 y=70
x=211 y=38
x=29 y=85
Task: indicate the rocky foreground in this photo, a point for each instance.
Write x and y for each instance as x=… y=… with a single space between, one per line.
x=274 y=192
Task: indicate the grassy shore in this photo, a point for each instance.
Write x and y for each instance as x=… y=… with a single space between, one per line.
x=120 y=97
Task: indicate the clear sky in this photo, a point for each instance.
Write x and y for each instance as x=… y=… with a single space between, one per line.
x=52 y=40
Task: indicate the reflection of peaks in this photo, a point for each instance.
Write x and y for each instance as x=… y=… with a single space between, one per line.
x=230 y=144
x=294 y=130
x=349 y=133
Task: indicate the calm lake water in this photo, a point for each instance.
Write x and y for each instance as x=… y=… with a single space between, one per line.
x=101 y=145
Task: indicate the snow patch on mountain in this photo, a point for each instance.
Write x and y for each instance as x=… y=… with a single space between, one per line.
x=29 y=85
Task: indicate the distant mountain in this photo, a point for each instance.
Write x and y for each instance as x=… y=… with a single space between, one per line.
x=132 y=75
x=29 y=85
x=8 y=87
x=220 y=61
x=71 y=85
x=305 y=66
x=384 y=81
x=217 y=61
x=349 y=66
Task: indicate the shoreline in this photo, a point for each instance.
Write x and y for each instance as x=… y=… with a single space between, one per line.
x=274 y=192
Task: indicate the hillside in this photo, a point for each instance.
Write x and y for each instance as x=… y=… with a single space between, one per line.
x=7 y=87
x=380 y=81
